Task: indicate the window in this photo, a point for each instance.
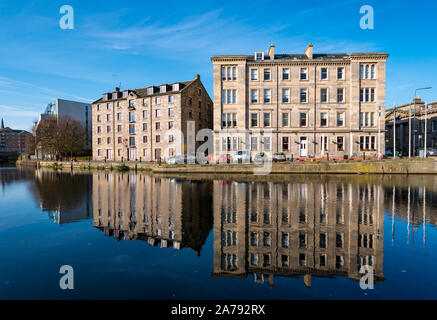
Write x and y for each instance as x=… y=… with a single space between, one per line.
x=131 y=116
x=118 y=128
x=284 y=240
x=302 y=239
x=367 y=94
x=324 y=74
x=157 y=113
x=98 y=107
x=99 y=140
x=131 y=129
x=234 y=73
x=285 y=121
x=108 y=106
x=285 y=143
x=158 y=100
x=158 y=138
x=303 y=119
x=108 y=129
x=170 y=138
x=131 y=103
x=132 y=141
x=254 y=143
x=119 y=116
x=340 y=119
x=340 y=73
x=285 y=74
x=367 y=143
x=145 y=114
x=267 y=239
x=322 y=260
x=266 y=143
x=267 y=95
x=372 y=119
x=323 y=119
x=267 y=119
x=303 y=74
x=323 y=95
x=170 y=124
x=253 y=74
x=322 y=240
x=340 y=95
x=144 y=139
x=267 y=75
x=170 y=112
x=339 y=240
x=254 y=120
x=108 y=117
x=303 y=95
x=170 y=99
x=229 y=120
x=285 y=95
x=157 y=125
x=259 y=55
x=367 y=71
x=229 y=96
x=254 y=96
x=433 y=127
x=99 y=118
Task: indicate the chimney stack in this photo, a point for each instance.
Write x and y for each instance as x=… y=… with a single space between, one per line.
x=197 y=77
x=309 y=51
x=271 y=52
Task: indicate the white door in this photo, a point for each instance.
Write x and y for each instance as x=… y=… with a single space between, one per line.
x=109 y=154
x=303 y=146
x=132 y=154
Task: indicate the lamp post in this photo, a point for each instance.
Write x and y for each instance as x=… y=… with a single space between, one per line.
x=409 y=123
x=426 y=127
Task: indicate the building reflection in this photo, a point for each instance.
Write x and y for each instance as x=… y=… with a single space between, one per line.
x=297 y=229
x=162 y=212
x=65 y=197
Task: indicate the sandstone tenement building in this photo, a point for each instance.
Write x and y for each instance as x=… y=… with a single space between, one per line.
x=305 y=105
x=143 y=124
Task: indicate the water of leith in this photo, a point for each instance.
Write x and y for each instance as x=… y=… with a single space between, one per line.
x=140 y=236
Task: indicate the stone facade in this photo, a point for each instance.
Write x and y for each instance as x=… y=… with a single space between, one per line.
x=305 y=105
x=12 y=140
x=145 y=124
x=418 y=121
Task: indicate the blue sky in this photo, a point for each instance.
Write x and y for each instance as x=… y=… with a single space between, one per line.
x=139 y=43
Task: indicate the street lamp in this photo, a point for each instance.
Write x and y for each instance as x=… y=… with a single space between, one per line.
x=409 y=123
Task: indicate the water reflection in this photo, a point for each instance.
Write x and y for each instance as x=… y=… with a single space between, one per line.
x=270 y=229
x=163 y=212
x=294 y=226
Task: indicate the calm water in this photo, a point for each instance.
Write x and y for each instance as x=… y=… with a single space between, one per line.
x=139 y=236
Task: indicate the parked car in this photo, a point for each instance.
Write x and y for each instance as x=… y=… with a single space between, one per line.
x=279 y=156
x=181 y=159
x=260 y=157
x=225 y=158
x=431 y=152
x=242 y=156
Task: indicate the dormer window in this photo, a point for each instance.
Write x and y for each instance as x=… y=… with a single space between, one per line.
x=176 y=87
x=163 y=88
x=149 y=90
x=259 y=55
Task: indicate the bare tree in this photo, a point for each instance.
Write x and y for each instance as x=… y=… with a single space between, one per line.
x=60 y=136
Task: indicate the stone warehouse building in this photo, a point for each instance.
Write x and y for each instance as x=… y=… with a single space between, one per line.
x=143 y=124
x=305 y=105
x=13 y=140
x=417 y=135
